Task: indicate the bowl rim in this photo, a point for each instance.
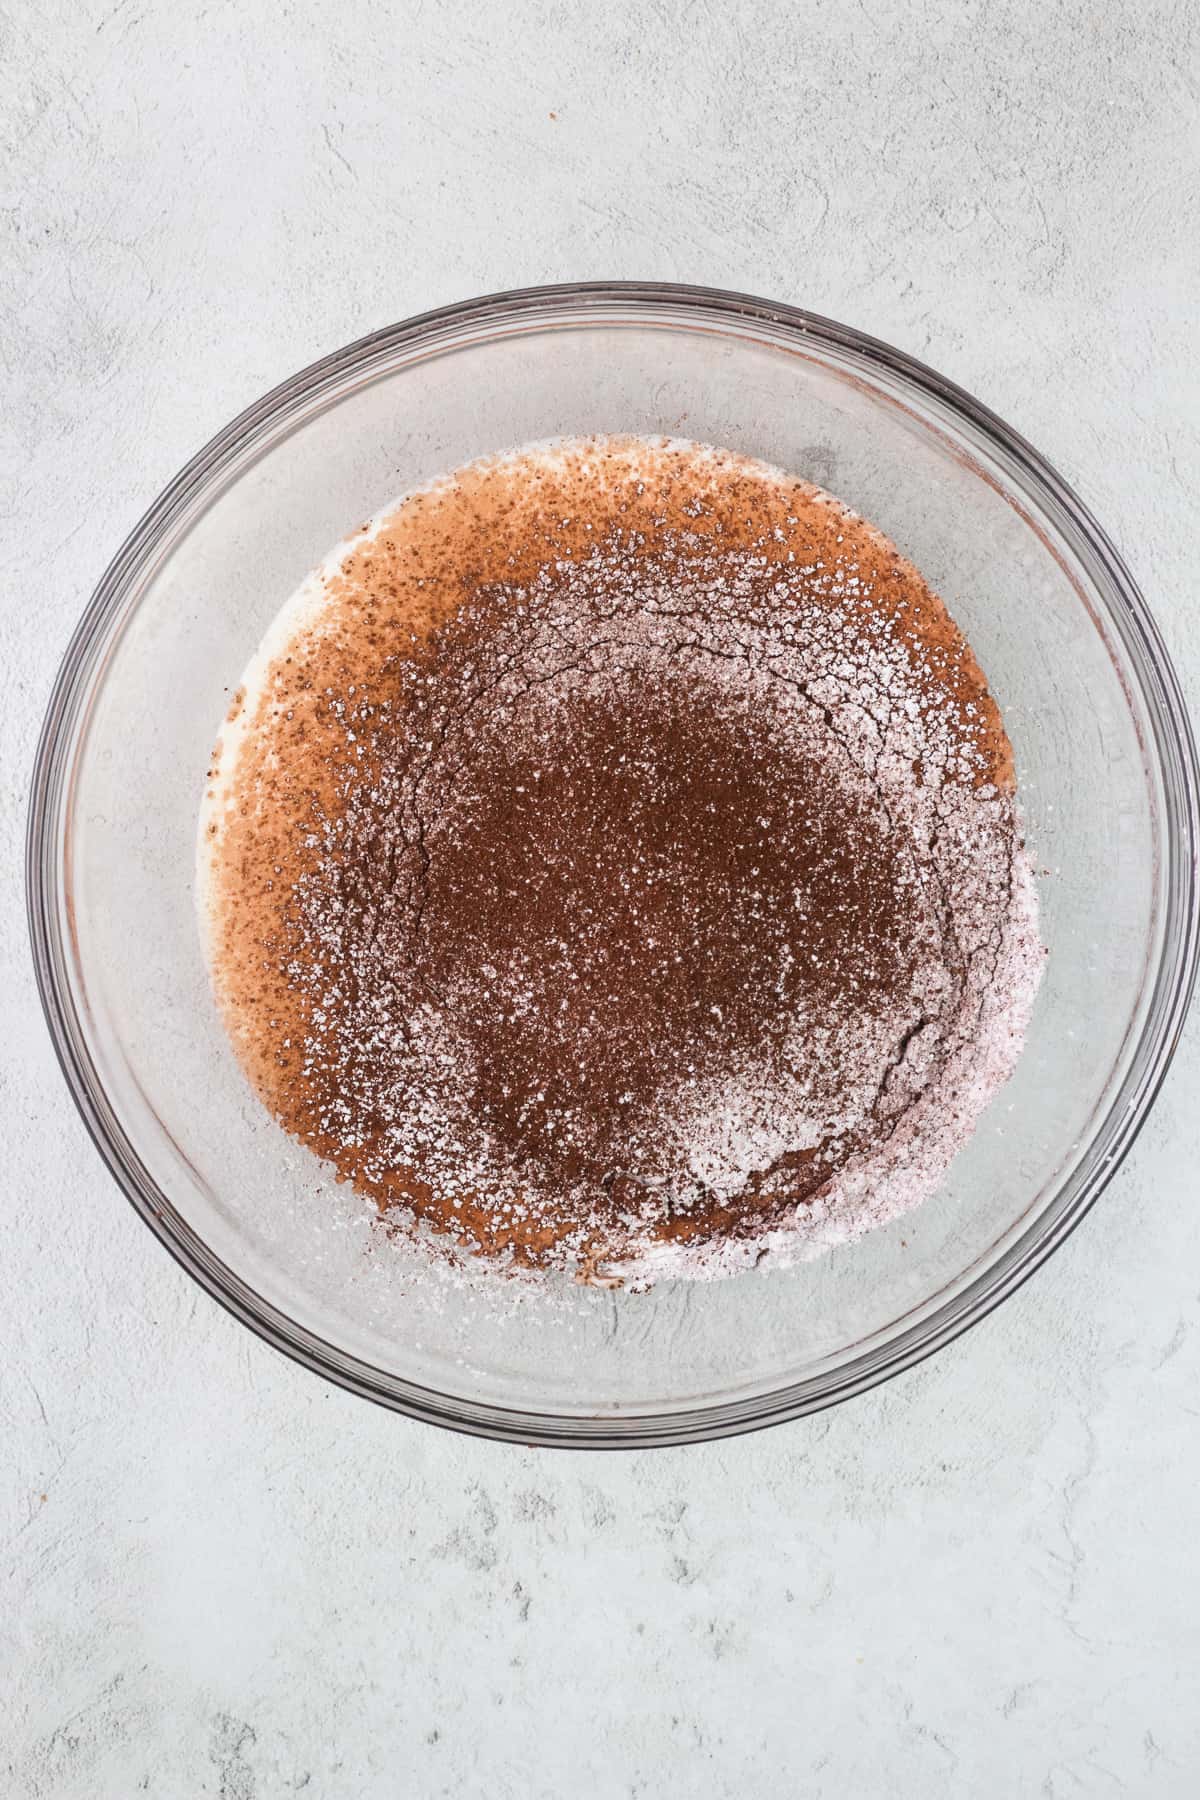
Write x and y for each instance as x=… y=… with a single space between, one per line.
x=1172 y=979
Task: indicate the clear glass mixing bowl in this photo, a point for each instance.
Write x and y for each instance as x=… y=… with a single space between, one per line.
x=1107 y=777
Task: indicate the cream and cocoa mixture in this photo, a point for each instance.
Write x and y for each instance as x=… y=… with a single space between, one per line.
x=611 y=863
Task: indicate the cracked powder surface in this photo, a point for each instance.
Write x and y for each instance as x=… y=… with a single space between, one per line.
x=611 y=863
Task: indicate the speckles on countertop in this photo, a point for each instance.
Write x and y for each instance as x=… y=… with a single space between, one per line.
x=980 y=1581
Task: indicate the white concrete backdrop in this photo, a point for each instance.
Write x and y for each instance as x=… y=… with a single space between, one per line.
x=222 y=1577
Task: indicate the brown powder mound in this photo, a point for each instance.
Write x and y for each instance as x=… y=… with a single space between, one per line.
x=657 y=893
x=618 y=853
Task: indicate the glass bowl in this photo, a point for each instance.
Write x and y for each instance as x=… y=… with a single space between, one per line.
x=1108 y=783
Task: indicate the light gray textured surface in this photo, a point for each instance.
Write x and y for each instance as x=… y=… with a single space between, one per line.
x=222 y=1577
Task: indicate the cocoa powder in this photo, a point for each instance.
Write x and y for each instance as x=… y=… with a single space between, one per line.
x=618 y=851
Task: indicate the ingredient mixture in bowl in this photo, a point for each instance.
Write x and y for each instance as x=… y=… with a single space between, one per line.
x=611 y=863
